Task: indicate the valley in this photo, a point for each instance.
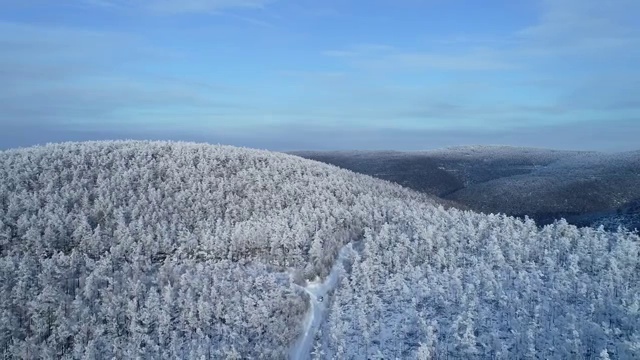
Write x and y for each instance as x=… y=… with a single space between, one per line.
x=586 y=188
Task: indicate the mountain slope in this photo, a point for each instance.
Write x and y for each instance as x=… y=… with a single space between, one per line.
x=411 y=170
x=572 y=187
x=199 y=238
x=178 y=250
x=441 y=172
x=586 y=188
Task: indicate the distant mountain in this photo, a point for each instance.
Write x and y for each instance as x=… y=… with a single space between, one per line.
x=161 y=250
x=586 y=188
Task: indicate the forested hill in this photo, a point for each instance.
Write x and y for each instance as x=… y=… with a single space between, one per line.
x=108 y=246
x=178 y=250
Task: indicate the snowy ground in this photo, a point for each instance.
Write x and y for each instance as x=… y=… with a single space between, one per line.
x=318 y=298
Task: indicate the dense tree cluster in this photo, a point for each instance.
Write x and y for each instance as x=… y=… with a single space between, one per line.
x=460 y=285
x=167 y=249
x=178 y=250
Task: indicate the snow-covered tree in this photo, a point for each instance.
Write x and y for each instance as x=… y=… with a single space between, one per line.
x=178 y=250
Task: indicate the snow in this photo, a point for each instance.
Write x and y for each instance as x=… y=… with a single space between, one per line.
x=317 y=308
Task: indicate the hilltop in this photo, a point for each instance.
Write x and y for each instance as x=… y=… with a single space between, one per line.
x=181 y=250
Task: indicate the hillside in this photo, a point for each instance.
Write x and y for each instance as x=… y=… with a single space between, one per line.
x=575 y=187
x=179 y=250
x=411 y=170
x=586 y=188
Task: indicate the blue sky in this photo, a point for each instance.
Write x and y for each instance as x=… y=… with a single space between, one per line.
x=288 y=75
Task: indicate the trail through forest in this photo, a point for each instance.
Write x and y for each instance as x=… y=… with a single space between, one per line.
x=318 y=302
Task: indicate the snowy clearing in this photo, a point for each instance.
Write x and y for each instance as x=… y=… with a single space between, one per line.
x=318 y=300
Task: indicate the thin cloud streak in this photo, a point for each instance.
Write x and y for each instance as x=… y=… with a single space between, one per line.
x=60 y=75
x=388 y=58
x=615 y=136
x=172 y=7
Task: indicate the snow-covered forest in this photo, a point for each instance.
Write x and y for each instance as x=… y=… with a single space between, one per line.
x=462 y=285
x=178 y=250
x=584 y=188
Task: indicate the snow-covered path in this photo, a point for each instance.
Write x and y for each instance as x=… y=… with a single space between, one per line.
x=317 y=309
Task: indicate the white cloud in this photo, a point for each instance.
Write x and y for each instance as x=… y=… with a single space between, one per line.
x=586 y=51
x=584 y=28
x=57 y=74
